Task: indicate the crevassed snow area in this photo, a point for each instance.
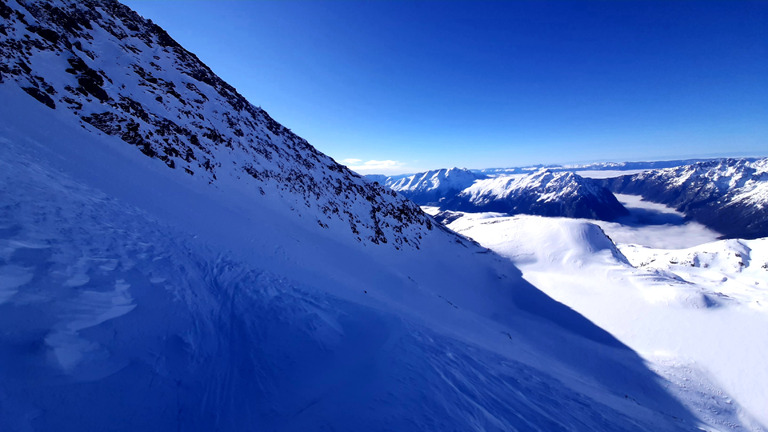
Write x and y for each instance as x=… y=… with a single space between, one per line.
x=133 y=297
x=697 y=315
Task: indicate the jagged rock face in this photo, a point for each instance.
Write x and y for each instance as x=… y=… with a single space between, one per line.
x=543 y=193
x=431 y=187
x=125 y=76
x=728 y=195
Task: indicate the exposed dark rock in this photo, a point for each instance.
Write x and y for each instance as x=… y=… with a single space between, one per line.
x=187 y=116
x=40 y=96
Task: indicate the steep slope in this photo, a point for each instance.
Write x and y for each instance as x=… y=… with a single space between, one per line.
x=136 y=296
x=432 y=187
x=126 y=77
x=543 y=193
x=728 y=195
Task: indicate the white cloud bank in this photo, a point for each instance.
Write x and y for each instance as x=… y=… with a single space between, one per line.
x=372 y=166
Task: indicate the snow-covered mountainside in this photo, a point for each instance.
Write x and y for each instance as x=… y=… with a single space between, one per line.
x=173 y=259
x=728 y=195
x=432 y=187
x=543 y=193
x=696 y=315
x=119 y=74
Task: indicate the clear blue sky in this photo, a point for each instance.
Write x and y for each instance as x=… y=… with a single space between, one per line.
x=428 y=84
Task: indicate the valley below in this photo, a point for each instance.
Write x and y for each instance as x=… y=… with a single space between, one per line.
x=691 y=305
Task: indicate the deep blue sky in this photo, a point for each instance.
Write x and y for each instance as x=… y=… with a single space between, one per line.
x=430 y=84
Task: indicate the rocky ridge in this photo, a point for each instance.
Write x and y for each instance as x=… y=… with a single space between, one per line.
x=728 y=195
x=125 y=76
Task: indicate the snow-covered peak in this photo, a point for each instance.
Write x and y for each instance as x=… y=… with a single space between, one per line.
x=549 y=185
x=431 y=187
x=722 y=175
x=544 y=192
x=442 y=179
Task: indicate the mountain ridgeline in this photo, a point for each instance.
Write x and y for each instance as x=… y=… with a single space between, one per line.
x=543 y=192
x=157 y=96
x=433 y=187
x=727 y=195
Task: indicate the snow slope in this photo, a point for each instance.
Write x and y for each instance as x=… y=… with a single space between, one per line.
x=737 y=270
x=134 y=298
x=139 y=295
x=124 y=76
x=696 y=315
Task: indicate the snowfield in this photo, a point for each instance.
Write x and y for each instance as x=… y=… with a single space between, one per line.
x=696 y=315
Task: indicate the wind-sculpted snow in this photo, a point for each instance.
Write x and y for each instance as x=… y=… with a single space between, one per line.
x=728 y=195
x=737 y=269
x=125 y=76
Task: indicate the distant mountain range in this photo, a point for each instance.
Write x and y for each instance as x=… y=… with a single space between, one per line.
x=728 y=195
x=543 y=192
x=433 y=187
x=597 y=166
